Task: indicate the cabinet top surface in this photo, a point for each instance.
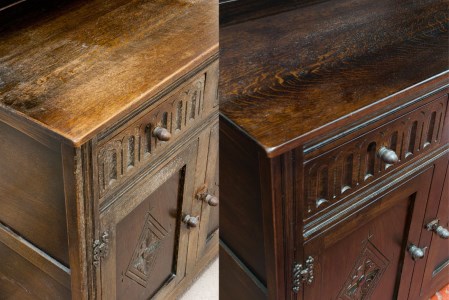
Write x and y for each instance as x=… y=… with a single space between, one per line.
x=76 y=69
x=290 y=75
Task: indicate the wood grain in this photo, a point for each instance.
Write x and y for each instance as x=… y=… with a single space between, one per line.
x=31 y=192
x=72 y=73
x=312 y=66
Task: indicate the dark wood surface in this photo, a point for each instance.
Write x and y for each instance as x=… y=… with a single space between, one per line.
x=236 y=281
x=241 y=213
x=314 y=90
x=434 y=270
x=381 y=232
x=307 y=64
x=72 y=72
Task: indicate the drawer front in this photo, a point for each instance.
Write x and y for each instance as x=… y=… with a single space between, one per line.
x=334 y=175
x=144 y=233
x=154 y=132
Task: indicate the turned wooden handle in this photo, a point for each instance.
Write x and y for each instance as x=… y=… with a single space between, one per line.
x=162 y=134
x=211 y=200
x=191 y=221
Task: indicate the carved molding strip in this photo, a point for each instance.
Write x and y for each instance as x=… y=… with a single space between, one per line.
x=118 y=158
x=365 y=275
x=339 y=172
x=143 y=260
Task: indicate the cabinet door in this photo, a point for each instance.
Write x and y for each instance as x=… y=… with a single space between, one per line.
x=436 y=273
x=209 y=211
x=366 y=255
x=143 y=246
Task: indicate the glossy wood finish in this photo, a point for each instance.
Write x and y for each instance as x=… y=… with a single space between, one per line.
x=363 y=257
x=96 y=48
x=236 y=281
x=435 y=274
x=323 y=83
x=78 y=81
x=311 y=93
x=241 y=215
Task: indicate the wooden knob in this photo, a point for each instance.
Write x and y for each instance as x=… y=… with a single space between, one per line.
x=162 y=134
x=388 y=156
x=211 y=200
x=191 y=221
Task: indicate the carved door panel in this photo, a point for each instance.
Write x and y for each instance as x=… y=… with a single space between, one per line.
x=436 y=273
x=209 y=210
x=143 y=248
x=366 y=256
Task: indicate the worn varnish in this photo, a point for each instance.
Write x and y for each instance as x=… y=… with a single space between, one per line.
x=326 y=62
x=72 y=72
x=109 y=138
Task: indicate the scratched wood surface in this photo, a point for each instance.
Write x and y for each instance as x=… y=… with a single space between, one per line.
x=88 y=63
x=289 y=74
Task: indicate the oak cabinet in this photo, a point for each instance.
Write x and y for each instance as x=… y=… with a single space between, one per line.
x=371 y=255
x=146 y=232
x=433 y=272
x=334 y=147
x=108 y=175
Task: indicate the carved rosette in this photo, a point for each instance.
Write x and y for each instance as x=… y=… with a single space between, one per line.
x=365 y=275
x=146 y=252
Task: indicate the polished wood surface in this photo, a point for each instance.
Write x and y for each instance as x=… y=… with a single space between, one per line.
x=320 y=72
x=236 y=281
x=376 y=234
x=96 y=48
x=334 y=124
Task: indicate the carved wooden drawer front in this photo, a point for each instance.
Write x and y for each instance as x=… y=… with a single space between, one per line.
x=122 y=155
x=337 y=173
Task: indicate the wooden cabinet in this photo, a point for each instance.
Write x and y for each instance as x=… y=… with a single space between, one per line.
x=144 y=233
x=333 y=154
x=370 y=255
x=433 y=273
x=108 y=176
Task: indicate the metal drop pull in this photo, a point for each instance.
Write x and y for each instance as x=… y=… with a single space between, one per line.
x=162 y=134
x=438 y=229
x=416 y=252
x=388 y=156
x=191 y=221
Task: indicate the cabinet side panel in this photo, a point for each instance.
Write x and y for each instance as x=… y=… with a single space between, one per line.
x=241 y=223
x=32 y=193
x=236 y=282
x=20 y=279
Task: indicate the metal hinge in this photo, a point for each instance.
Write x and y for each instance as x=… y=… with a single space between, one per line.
x=302 y=274
x=101 y=248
